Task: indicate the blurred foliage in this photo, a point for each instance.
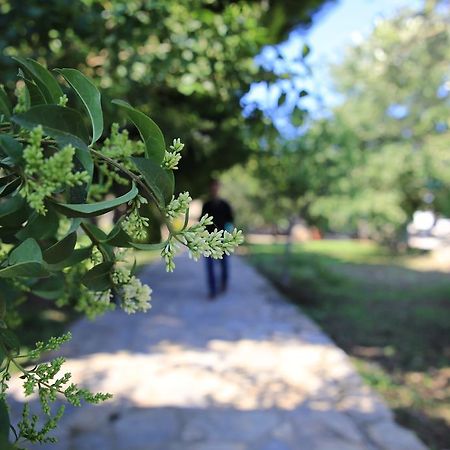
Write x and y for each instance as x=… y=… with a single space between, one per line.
x=187 y=63
x=383 y=153
x=396 y=108
x=266 y=192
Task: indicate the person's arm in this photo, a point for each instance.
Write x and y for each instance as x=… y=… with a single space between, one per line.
x=205 y=209
x=230 y=213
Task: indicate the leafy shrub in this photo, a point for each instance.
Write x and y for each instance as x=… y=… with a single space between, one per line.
x=56 y=177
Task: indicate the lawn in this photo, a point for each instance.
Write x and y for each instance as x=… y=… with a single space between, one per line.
x=389 y=313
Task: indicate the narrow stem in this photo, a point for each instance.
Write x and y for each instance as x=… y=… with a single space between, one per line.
x=123 y=169
x=28 y=373
x=136 y=179
x=94 y=240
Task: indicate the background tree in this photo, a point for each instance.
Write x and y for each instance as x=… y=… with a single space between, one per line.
x=382 y=153
x=395 y=86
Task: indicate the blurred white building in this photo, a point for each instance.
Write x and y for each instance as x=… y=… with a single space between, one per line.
x=428 y=231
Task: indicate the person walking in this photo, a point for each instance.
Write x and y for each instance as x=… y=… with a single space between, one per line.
x=222 y=214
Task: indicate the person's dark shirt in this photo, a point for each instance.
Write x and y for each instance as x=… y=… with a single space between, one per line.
x=221 y=212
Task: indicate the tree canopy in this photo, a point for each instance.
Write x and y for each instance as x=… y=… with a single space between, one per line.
x=396 y=107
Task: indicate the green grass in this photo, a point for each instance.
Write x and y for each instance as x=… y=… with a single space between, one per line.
x=393 y=319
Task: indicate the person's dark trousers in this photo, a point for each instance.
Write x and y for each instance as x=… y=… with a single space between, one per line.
x=212 y=285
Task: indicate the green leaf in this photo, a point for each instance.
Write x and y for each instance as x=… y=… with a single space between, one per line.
x=27 y=251
x=117 y=237
x=34 y=94
x=9 y=340
x=76 y=257
x=4 y=422
x=10 y=292
x=65 y=124
x=303 y=93
x=149 y=131
x=25 y=261
x=39 y=226
x=51 y=288
x=7 y=234
x=95 y=209
x=9 y=184
x=107 y=250
x=61 y=250
x=297 y=117
x=13 y=211
x=25 y=269
x=98 y=278
x=44 y=80
x=5 y=105
x=159 y=180
x=97 y=233
x=11 y=148
x=89 y=95
x=82 y=161
x=84 y=157
x=282 y=99
x=305 y=50
x=74 y=225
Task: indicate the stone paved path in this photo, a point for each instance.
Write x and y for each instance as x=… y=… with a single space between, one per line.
x=246 y=372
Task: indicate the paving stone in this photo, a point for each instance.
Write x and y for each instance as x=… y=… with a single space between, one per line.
x=230 y=425
x=363 y=405
x=326 y=423
x=89 y=441
x=388 y=435
x=285 y=432
x=335 y=444
x=272 y=444
x=216 y=446
x=143 y=428
x=91 y=417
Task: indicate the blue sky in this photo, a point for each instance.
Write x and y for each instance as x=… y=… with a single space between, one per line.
x=337 y=26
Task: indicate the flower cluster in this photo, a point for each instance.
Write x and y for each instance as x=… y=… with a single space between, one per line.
x=45 y=176
x=63 y=100
x=168 y=253
x=172 y=157
x=90 y=303
x=54 y=343
x=131 y=294
x=119 y=148
x=134 y=224
x=201 y=242
x=45 y=381
x=134 y=295
x=93 y=304
x=103 y=297
x=178 y=205
x=23 y=102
